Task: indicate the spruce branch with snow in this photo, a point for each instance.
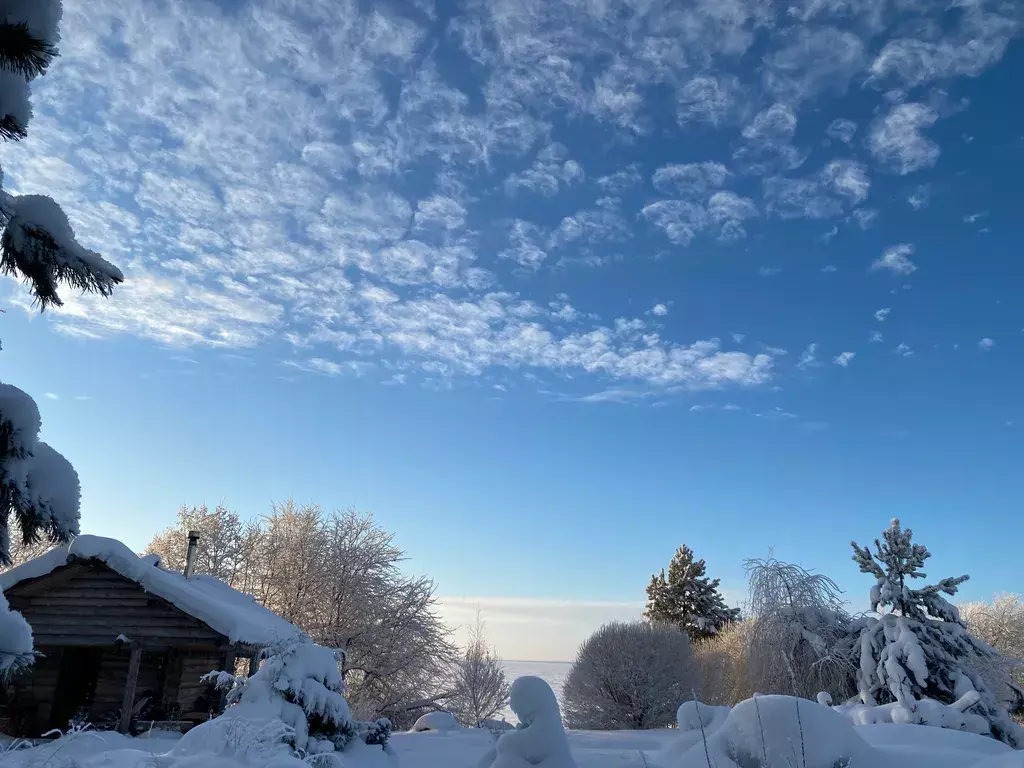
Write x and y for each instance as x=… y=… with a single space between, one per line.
x=38 y=243
x=918 y=648
x=40 y=495
x=687 y=598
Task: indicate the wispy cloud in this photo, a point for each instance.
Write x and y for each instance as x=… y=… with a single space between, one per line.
x=986 y=344
x=896 y=259
x=844 y=359
x=809 y=357
x=315 y=175
x=51 y=395
x=882 y=315
x=897 y=142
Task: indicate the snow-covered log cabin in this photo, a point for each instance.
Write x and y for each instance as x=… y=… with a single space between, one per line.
x=121 y=639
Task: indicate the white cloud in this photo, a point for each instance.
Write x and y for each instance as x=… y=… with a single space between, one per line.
x=659 y=309
x=690 y=180
x=903 y=350
x=842 y=129
x=363 y=224
x=896 y=140
x=620 y=181
x=986 y=344
x=552 y=169
x=768 y=271
x=896 y=259
x=882 y=314
x=776 y=123
x=844 y=358
x=920 y=197
x=51 y=395
x=876 y=337
x=680 y=220
x=809 y=358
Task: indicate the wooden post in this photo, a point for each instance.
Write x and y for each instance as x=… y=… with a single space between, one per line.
x=128 y=702
x=254 y=664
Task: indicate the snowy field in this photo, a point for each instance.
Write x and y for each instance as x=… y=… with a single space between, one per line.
x=828 y=745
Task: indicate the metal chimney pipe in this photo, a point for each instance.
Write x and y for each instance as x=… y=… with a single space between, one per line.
x=190 y=556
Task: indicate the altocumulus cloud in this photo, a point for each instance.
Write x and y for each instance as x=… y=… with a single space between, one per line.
x=309 y=172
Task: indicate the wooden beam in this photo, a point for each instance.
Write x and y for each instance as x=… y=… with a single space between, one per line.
x=128 y=702
x=254 y=664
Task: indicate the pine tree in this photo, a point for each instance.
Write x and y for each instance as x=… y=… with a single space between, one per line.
x=38 y=243
x=687 y=598
x=919 y=648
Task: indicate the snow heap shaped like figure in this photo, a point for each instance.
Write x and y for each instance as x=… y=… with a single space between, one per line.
x=38 y=243
x=918 y=648
x=539 y=740
x=39 y=495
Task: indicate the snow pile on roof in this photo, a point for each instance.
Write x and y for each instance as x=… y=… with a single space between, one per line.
x=227 y=611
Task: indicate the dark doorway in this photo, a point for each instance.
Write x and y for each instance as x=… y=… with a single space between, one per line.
x=76 y=684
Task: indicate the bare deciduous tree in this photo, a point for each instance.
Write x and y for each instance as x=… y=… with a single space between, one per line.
x=629 y=676
x=478 y=680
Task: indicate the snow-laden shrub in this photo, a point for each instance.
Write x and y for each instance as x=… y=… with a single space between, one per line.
x=918 y=648
x=723 y=665
x=299 y=685
x=629 y=676
x=539 y=740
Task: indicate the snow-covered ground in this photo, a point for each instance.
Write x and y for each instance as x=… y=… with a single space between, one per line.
x=897 y=746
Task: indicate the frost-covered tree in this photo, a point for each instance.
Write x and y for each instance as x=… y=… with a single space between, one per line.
x=478 y=680
x=799 y=630
x=222 y=538
x=629 y=676
x=39 y=496
x=687 y=598
x=1001 y=625
x=38 y=244
x=918 y=647
x=338 y=576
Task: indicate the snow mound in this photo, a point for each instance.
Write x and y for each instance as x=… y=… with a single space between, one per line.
x=235 y=615
x=435 y=721
x=778 y=731
x=695 y=716
x=539 y=740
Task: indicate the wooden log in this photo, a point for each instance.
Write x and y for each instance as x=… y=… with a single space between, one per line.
x=129 y=690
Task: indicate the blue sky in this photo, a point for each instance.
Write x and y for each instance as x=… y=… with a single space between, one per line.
x=551 y=287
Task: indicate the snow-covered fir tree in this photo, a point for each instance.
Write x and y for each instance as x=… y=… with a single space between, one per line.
x=918 y=648
x=299 y=686
x=39 y=496
x=687 y=598
x=38 y=244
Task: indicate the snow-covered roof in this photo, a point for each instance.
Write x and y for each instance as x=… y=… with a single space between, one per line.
x=233 y=614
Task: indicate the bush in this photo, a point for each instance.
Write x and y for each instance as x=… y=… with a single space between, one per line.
x=722 y=665
x=629 y=676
